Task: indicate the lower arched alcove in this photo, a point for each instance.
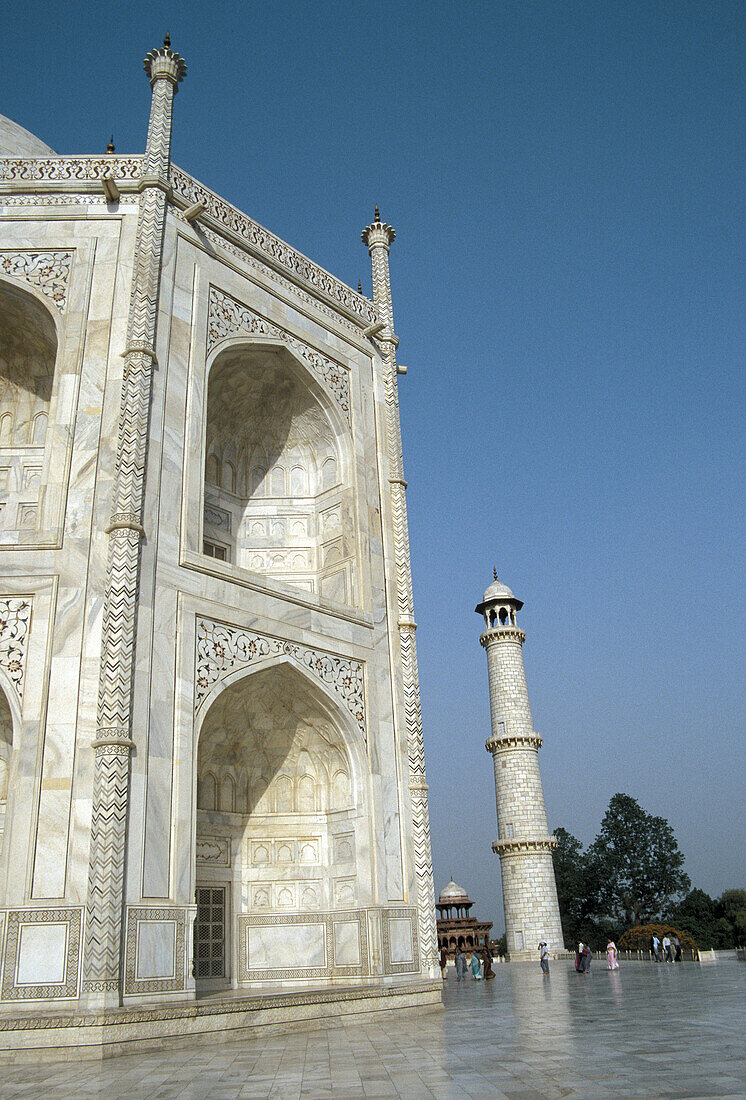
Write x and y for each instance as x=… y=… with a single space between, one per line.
x=282 y=835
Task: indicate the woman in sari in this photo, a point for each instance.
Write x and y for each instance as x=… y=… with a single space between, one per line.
x=460 y=965
x=476 y=971
x=611 y=956
x=487 y=960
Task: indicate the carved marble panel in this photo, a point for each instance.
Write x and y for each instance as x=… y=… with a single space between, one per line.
x=42 y=954
x=400 y=941
x=214 y=850
x=155 y=950
x=303 y=945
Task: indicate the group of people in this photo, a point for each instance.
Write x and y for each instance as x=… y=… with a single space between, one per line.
x=479 y=963
x=669 y=944
x=583 y=957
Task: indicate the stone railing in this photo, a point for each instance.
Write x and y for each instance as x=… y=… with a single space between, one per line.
x=43 y=170
x=240 y=229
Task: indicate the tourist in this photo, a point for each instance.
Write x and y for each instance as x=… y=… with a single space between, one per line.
x=579 y=958
x=585 y=961
x=460 y=965
x=654 y=945
x=443 y=963
x=476 y=971
x=667 y=949
x=676 y=948
x=487 y=960
x=544 y=957
x=611 y=956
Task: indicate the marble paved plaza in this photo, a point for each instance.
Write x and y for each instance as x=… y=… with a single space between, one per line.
x=647 y=1031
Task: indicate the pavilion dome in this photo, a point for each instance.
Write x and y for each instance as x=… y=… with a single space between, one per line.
x=17 y=142
x=453 y=894
x=497 y=591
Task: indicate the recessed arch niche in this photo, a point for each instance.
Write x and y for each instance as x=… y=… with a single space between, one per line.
x=28 y=352
x=277 y=473
x=278 y=772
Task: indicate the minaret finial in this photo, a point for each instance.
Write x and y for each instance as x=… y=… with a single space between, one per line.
x=167 y=39
x=110 y=147
x=494 y=572
x=359 y=287
x=377 y=218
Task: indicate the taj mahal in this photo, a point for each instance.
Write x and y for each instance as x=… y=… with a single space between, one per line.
x=212 y=776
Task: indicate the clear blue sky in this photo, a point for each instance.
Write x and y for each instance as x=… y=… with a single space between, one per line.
x=566 y=182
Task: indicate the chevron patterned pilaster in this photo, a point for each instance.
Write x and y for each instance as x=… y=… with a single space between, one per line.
x=378 y=237
x=105 y=903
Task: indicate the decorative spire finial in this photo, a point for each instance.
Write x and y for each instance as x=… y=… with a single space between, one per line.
x=494 y=572
x=164 y=62
x=377 y=218
x=359 y=287
x=110 y=147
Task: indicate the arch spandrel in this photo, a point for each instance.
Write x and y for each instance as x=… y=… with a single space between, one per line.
x=226 y=653
x=229 y=319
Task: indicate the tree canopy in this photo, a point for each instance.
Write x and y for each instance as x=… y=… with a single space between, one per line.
x=630 y=875
x=635 y=864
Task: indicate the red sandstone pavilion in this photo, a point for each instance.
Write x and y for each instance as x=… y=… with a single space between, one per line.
x=459 y=930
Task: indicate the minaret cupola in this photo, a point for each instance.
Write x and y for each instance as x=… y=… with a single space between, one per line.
x=499 y=606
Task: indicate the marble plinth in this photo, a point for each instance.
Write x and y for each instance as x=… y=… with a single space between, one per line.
x=73 y=1035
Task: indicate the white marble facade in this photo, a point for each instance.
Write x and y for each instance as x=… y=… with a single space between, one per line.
x=209 y=711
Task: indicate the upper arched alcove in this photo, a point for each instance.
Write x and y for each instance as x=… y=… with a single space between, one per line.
x=28 y=352
x=17 y=142
x=278 y=498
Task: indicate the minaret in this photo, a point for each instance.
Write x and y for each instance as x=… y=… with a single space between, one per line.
x=378 y=236
x=524 y=845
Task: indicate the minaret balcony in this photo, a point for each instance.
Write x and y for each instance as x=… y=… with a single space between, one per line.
x=513 y=741
x=524 y=845
x=507 y=633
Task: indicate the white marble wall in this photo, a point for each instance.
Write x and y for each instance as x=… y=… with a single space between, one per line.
x=365 y=868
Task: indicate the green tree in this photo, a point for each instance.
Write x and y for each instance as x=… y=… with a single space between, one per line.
x=634 y=865
x=570 y=877
x=731 y=906
x=696 y=915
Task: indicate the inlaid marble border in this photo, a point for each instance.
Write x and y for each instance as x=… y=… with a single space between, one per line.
x=171 y=984
x=68 y=988
x=390 y=967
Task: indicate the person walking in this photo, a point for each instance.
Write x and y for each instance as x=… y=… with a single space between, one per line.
x=487 y=960
x=667 y=949
x=460 y=965
x=611 y=956
x=476 y=971
x=443 y=963
x=544 y=957
x=585 y=960
x=676 y=948
x=579 y=958
x=654 y=946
